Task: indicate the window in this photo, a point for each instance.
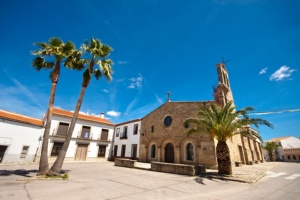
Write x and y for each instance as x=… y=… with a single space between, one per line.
x=56 y=148
x=62 y=129
x=189 y=151
x=102 y=150
x=135 y=129
x=168 y=121
x=289 y=157
x=104 y=134
x=152 y=128
x=153 y=151
x=123 y=150
x=115 y=150
x=124 y=134
x=85 y=133
x=186 y=125
x=118 y=132
x=24 y=151
x=294 y=157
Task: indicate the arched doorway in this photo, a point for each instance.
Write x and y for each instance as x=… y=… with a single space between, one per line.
x=169 y=153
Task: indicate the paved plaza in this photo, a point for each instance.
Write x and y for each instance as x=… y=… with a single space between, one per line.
x=106 y=181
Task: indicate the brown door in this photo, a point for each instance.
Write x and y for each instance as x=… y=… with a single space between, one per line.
x=134 y=151
x=169 y=153
x=2 y=152
x=81 y=152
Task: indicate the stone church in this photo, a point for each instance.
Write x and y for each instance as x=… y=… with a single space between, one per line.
x=163 y=135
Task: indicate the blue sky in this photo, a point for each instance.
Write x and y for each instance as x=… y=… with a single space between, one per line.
x=159 y=46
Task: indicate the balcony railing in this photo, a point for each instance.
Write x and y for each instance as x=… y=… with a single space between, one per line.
x=87 y=136
x=123 y=136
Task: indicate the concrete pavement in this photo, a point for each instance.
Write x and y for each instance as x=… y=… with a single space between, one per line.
x=106 y=181
x=244 y=173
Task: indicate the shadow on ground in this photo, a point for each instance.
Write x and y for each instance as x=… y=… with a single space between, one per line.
x=23 y=172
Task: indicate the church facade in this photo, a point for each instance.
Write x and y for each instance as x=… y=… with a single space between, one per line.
x=163 y=134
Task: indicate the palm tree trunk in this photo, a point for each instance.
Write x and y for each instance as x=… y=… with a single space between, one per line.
x=56 y=167
x=44 y=165
x=271 y=156
x=223 y=157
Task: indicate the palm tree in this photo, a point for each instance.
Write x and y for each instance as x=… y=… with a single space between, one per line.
x=270 y=148
x=98 y=53
x=224 y=123
x=59 y=51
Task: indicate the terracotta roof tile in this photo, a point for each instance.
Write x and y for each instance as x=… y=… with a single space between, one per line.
x=20 y=118
x=278 y=139
x=65 y=113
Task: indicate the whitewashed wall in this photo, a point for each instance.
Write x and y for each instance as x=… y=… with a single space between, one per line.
x=131 y=139
x=93 y=147
x=15 y=135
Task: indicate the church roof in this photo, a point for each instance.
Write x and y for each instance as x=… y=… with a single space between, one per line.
x=181 y=102
x=20 y=118
x=65 y=113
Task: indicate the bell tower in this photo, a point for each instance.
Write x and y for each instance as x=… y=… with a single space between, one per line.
x=222 y=93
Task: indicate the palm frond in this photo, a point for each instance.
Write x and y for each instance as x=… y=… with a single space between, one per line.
x=223 y=123
x=40 y=63
x=55 y=42
x=105 y=67
x=97 y=74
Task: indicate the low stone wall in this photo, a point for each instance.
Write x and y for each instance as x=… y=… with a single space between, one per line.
x=124 y=162
x=182 y=169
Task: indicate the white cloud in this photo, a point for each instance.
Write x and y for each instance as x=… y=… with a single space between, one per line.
x=106 y=91
x=113 y=113
x=282 y=73
x=135 y=82
x=122 y=62
x=263 y=71
x=159 y=100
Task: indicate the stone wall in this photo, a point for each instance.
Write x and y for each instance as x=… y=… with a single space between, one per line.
x=154 y=132
x=124 y=163
x=174 y=168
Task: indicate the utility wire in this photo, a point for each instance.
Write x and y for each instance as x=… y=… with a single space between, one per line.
x=275 y=112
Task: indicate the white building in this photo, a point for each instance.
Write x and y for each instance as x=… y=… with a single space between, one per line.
x=19 y=137
x=91 y=139
x=288 y=149
x=127 y=139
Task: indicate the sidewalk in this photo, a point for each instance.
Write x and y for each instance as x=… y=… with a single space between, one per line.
x=245 y=173
x=103 y=180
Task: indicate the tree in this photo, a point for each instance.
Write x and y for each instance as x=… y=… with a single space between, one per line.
x=98 y=53
x=61 y=52
x=224 y=123
x=270 y=148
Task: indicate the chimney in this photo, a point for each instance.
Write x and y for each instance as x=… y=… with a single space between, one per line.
x=102 y=115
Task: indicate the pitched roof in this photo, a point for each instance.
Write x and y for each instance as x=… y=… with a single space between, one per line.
x=20 y=118
x=130 y=121
x=278 y=139
x=65 y=113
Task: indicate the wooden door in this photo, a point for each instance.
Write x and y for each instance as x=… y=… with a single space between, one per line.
x=134 y=151
x=2 y=152
x=81 y=152
x=169 y=153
